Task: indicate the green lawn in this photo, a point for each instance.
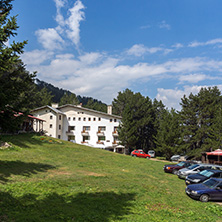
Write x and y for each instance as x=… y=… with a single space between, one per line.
x=43 y=179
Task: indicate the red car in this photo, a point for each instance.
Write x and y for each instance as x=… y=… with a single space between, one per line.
x=140 y=153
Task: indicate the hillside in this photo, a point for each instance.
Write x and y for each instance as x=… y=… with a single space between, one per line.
x=46 y=179
x=58 y=93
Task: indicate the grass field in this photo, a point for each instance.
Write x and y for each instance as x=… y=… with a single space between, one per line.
x=44 y=179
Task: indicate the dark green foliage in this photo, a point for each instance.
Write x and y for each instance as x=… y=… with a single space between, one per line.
x=137 y=128
x=198 y=116
x=69 y=98
x=15 y=81
x=63 y=97
x=168 y=134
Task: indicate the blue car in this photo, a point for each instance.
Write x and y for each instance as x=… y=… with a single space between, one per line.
x=210 y=189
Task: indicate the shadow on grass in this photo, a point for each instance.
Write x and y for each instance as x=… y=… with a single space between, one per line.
x=22 y=140
x=101 y=207
x=9 y=168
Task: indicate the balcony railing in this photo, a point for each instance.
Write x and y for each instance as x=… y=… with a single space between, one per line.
x=115 y=133
x=100 y=142
x=70 y=132
x=85 y=133
x=100 y=133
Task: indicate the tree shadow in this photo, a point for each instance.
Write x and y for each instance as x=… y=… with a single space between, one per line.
x=8 y=168
x=101 y=207
x=22 y=140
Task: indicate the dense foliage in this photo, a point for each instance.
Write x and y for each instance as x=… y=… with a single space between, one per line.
x=149 y=125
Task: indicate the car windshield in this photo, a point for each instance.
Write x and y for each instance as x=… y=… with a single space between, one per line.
x=181 y=164
x=193 y=166
x=206 y=173
x=210 y=183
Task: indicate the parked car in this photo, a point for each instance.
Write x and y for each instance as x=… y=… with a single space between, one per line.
x=174 y=168
x=196 y=168
x=210 y=189
x=140 y=153
x=202 y=176
x=175 y=157
x=151 y=153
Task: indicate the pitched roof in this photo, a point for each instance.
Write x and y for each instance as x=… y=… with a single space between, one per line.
x=90 y=110
x=49 y=107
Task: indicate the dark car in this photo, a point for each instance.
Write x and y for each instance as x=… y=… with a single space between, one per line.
x=202 y=176
x=210 y=189
x=173 y=168
x=140 y=153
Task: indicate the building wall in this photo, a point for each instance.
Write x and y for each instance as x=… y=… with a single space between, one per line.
x=58 y=125
x=51 y=121
x=79 y=119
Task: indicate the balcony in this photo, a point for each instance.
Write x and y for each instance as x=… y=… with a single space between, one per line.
x=84 y=142
x=100 y=142
x=116 y=142
x=85 y=133
x=70 y=132
x=100 y=133
x=115 y=133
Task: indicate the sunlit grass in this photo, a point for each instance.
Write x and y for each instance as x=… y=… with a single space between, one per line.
x=44 y=179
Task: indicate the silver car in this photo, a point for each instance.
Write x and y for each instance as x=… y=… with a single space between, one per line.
x=196 y=168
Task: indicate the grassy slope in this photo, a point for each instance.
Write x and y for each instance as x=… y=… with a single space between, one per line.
x=42 y=180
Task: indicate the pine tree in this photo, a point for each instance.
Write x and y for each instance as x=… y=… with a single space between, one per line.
x=168 y=134
x=15 y=81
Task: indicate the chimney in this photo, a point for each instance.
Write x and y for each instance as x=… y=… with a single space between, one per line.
x=109 y=109
x=55 y=105
x=80 y=105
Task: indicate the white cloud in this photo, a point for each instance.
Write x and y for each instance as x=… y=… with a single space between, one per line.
x=164 y=25
x=54 y=38
x=210 y=42
x=193 y=78
x=177 y=45
x=36 y=57
x=140 y=50
x=59 y=17
x=73 y=22
x=172 y=97
x=49 y=38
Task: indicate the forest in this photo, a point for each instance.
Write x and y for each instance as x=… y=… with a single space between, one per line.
x=146 y=123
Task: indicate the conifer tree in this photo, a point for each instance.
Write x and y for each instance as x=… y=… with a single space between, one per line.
x=15 y=81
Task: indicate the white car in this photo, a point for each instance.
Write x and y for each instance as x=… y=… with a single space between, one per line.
x=151 y=153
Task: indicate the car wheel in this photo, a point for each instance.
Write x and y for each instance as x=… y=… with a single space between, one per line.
x=175 y=172
x=147 y=157
x=134 y=155
x=204 y=198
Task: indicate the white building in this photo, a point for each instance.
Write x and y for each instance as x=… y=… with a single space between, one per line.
x=81 y=125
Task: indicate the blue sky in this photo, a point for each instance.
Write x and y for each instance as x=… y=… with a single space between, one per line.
x=160 y=48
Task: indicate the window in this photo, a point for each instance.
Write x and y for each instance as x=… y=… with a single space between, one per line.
x=79 y=118
x=69 y=118
x=99 y=119
x=84 y=119
x=60 y=117
x=59 y=136
x=94 y=119
x=89 y=119
x=114 y=120
x=46 y=111
x=51 y=117
x=101 y=138
x=74 y=118
x=86 y=128
x=50 y=126
x=59 y=127
x=111 y=120
x=71 y=138
x=101 y=128
x=71 y=128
